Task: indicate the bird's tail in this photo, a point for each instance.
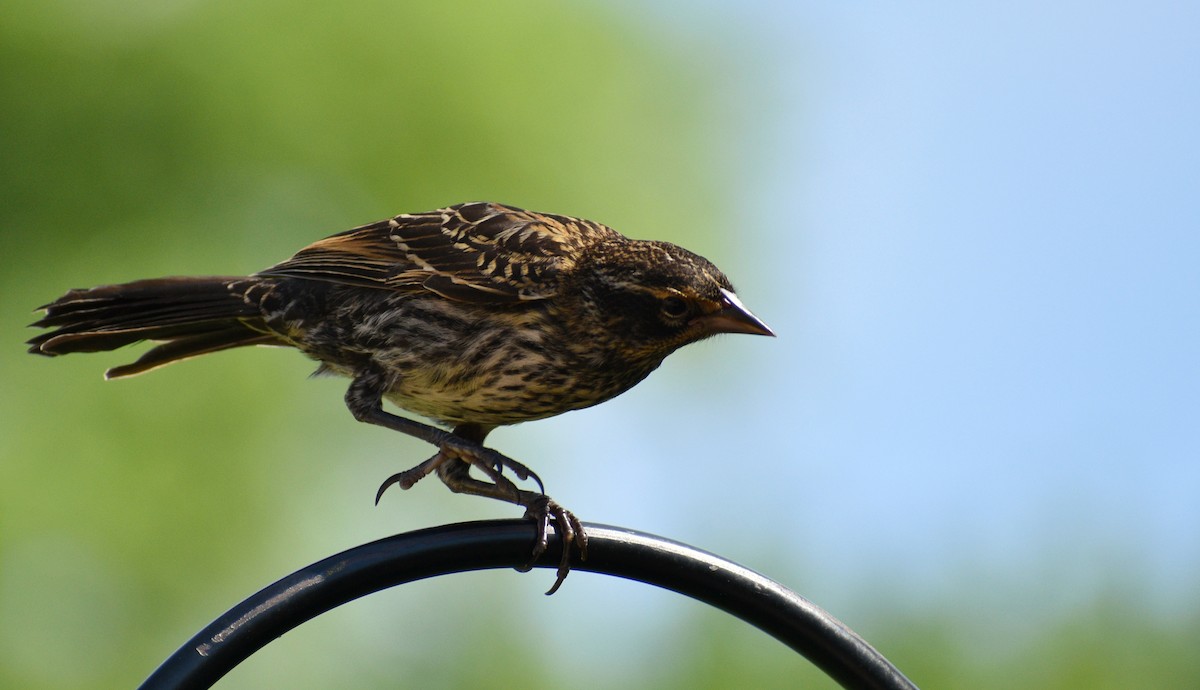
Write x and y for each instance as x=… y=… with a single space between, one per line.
x=186 y=316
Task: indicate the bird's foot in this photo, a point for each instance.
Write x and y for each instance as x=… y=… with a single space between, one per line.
x=491 y=463
x=541 y=508
x=452 y=463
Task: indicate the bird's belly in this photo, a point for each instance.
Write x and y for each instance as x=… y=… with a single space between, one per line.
x=495 y=398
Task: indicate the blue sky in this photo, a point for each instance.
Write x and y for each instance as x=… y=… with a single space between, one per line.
x=976 y=229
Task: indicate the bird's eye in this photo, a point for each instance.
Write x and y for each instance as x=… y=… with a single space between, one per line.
x=674 y=307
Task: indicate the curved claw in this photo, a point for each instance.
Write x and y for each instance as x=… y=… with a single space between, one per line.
x=412 y=475
x=523 y=472
x=498 y=461
x=394 y=479
x=538 y=480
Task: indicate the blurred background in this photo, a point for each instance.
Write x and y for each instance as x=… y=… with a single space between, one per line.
x=974 y=227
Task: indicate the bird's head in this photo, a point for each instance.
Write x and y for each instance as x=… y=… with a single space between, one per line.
x=656 y=297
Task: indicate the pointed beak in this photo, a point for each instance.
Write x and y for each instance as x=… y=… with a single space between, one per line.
x=733 y=317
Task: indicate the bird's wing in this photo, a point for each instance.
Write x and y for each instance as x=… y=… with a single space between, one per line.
x=476 y=252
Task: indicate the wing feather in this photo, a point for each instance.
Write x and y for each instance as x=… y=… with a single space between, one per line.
x=475 y=252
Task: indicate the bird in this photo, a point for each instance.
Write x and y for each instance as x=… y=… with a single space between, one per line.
x=472 y=316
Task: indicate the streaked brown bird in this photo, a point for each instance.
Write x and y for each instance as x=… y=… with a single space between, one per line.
x=474 y=316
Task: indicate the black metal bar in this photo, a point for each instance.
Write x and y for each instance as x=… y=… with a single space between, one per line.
x=324 y=585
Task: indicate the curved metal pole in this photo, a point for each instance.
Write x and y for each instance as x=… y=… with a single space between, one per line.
x=324 y=585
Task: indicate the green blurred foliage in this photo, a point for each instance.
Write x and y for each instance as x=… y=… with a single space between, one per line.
x=143 y=139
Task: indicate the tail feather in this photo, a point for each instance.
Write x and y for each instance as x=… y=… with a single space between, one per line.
x=192 y=346
x=188 y=316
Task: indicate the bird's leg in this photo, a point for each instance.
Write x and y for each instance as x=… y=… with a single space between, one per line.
x=365 y=401
x=457 y=453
